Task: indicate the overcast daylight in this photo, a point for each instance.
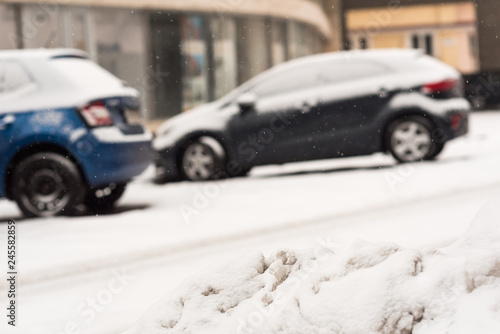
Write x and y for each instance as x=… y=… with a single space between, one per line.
x=250 y=166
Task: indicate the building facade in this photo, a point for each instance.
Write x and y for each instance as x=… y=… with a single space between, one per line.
x=445 y=31
x=487 y=23
x=177 y=53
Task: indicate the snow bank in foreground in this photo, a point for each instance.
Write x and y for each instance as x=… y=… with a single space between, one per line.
x=369 y=288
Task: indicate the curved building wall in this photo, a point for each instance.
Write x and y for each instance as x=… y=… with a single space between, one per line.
x=307 y=11
x=178 y=54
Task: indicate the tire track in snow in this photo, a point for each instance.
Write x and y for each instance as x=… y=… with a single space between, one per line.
x=159 y=252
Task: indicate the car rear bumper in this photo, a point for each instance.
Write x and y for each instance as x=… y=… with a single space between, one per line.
x=111 y=157
x=456 y=124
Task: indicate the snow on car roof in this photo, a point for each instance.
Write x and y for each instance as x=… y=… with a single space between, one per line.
x=385 y=56
x=41 y=53
x=60 y=78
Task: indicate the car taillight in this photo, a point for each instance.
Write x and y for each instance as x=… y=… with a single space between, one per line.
x=439 y=87
x=96 y=114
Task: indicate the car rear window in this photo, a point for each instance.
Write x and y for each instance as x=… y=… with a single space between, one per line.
x=288 y=81
x=13 y=77
x=84 y=73
x=345 y=70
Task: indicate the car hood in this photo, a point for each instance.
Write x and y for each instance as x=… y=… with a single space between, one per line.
x=211 y=117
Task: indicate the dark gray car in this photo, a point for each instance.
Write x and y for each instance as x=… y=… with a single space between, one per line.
x=319 y=107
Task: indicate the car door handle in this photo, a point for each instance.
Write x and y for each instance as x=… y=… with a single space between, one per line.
x=307 y=106
x=383 y=93
x=6 y=121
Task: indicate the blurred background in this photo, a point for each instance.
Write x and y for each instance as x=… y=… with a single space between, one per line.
x=182 y=54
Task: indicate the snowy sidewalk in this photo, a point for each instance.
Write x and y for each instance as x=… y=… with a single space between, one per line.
x=178 y=217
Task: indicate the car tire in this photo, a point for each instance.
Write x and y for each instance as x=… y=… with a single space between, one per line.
x=104 y=199
x=243 y=173
x=203 y=159
x=409 y=139
x=438 y=148
x=47 y=184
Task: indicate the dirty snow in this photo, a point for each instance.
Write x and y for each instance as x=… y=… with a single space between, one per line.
x=368 y=288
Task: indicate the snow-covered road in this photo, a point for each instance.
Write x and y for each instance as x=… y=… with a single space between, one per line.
x=99 y=274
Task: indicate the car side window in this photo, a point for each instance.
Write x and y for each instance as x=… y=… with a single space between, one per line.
x=288 y=81
x=345 y=70
x=13 y=77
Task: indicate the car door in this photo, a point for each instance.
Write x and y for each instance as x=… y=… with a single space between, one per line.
x=13 y=79
x=278 y=128
x=353 y=95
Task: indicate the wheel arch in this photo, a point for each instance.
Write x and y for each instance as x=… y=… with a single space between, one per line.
x=183 y=144
x=401 y=114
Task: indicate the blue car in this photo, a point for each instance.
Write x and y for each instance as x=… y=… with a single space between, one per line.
x=70 y=133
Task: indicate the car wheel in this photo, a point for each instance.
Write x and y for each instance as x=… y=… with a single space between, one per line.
x=47 y=184
x=243 y=173
x=202 y=160
x=103 y=199
x=409 y=139
x=438 y=148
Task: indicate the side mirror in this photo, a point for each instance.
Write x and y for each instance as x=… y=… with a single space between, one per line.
x=247 y=101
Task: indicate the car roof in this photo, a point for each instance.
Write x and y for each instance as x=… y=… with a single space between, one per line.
x=40 y=54
x=388 y=57
x=51 y=87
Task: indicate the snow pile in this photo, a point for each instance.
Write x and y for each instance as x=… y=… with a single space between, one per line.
x=369 y=288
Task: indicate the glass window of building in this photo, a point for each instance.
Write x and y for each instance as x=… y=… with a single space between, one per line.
x=194 y=60
x=424 y=42
x=298 y=40
x=8 y=37
x=318 y=41
x=121 y=48
x=76 y=27
x=41 y=26
x=224 y=60
x=253 y=48
x=165 y=80
x=278 y=42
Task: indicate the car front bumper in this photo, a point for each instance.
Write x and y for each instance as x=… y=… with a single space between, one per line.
x=166 y=166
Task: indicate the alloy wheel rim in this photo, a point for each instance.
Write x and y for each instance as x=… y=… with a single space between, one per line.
x=46 y=192
x=198 y=162
x=411 y=141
